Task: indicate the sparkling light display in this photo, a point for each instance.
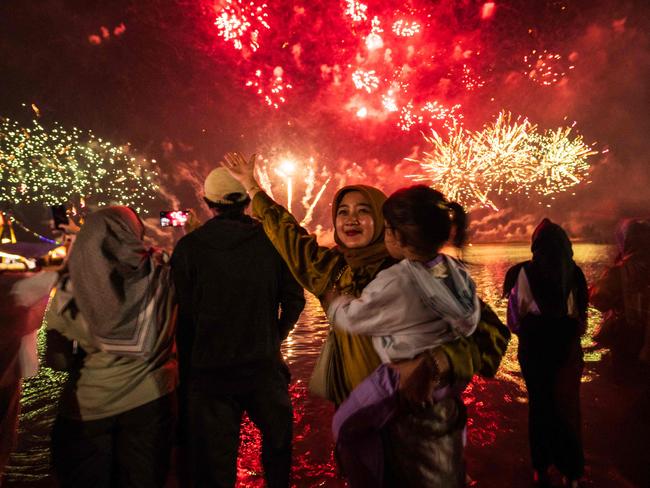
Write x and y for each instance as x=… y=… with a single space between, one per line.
x=289 y=171
x=272 y=89
x=505 y=152
x=454 y=167
x=414 y=66
x=356 y=10
x=240 y=22
x=59 y=166
x=506 y=157
x=412 y=49
x=545 y=68
x=374 y=40
x=389 y=103
x=405 y=28
x=471 y=80
x=561 y=160
x=429 y=114
x=385 y=63
x=365 y=80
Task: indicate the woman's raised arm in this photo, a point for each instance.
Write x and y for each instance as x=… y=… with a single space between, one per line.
x=312 y=265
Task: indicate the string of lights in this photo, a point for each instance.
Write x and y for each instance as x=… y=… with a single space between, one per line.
x=30 y=231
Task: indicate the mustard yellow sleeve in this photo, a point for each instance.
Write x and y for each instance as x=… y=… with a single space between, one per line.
x=481 y=352
x=311 y=264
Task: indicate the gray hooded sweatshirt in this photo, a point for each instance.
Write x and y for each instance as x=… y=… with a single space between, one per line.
x=411 y=307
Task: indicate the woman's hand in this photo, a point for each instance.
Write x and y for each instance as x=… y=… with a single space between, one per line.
x=420 y=377
x=328 y=297
x=242 y=170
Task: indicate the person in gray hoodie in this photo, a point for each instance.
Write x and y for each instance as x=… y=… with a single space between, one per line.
x=425 y=300
x=237 y=303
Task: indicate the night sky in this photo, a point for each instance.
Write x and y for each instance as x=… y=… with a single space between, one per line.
x=157 y=74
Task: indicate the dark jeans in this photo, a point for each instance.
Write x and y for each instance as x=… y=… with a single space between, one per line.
x=554 y=425
x=132 y=449
x=214 y=420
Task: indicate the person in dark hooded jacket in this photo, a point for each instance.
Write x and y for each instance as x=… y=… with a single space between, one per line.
x=623 y=294
x=237 y=303
x=547 y=309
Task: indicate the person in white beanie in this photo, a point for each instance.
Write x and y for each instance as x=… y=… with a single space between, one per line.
x=237 y=303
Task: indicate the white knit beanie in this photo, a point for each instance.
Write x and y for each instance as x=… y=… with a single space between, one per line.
x=220 y=187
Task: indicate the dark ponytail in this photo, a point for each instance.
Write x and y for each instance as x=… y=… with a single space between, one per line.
x=459 y=222
x=424 y=219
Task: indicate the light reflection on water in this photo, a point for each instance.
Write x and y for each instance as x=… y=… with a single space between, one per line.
x=490 y=402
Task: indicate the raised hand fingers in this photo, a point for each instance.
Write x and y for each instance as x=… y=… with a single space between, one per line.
x=235 y=161
x=240 y=169
x=232 y=160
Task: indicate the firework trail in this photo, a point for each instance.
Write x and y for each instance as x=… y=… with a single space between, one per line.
x=290 y=173
x=311 y=206
x=407 y=66
x=505 y=158
x=381 y=67
x=507 y=163
x=455 y=168
x=561 y=162
x=240 y=22
x=387 y=70
x=545 y=68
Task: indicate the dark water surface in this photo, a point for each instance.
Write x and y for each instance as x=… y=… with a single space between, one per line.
x=497 y=450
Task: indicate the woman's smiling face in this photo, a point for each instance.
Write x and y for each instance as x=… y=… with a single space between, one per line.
x=354 y=224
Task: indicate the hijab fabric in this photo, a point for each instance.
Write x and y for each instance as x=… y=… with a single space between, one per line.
x=633 y=243
x=633 y=238
x=375 y=252
x=353 y=356
x=110 y=269
x=552 y=271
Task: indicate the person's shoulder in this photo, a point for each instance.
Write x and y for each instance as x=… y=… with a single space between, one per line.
x=512 y=275
x=395 y=268
x=397 y=272
x=515 y=268
x=454 y=261
x=211 y=227
x=185 y=244
x=255 y=229
x=244 y=225
x=185 y=241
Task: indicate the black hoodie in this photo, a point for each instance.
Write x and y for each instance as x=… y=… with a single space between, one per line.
x=237 y=302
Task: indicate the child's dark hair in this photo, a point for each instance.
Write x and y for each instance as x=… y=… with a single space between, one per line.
x=424 y=219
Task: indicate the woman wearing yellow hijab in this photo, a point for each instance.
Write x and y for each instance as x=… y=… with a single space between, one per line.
x=359 y=255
